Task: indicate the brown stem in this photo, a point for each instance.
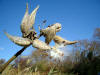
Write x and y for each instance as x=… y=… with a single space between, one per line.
x=11 y=59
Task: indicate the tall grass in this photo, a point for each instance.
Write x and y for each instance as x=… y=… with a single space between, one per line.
x=10 y=70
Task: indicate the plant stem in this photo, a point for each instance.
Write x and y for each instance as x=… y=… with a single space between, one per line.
x=11 y=59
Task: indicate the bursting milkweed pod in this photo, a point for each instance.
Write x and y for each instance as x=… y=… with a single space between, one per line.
x=50 y=32
x=28 y=21
x=59 y=40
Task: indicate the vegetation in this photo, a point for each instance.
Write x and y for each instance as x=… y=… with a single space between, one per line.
x=83 y=60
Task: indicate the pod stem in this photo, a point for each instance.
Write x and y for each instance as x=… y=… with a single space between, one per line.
x=11 y=59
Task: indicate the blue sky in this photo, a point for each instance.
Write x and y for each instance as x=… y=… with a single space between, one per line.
x=79 y=18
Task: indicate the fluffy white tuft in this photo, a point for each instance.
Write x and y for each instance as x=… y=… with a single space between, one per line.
x=58 y=53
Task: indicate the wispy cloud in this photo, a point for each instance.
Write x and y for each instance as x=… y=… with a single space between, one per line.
x=1 y=48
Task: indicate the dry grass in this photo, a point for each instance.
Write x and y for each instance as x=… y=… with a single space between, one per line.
x=27 y=71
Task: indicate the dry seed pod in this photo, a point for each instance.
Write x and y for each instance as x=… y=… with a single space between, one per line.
x=40 y=45
x=24 y=24
x=28 y=21
x=19 y=40
x=59 y=40
x=32 y=16
x=50 y=32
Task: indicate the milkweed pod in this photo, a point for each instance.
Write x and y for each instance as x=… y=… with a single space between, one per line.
x=19 y=40
x=40 y=45
x=25 y=20
x=32 y=16
x=28 y=20
x=50 y=32
x=59 y=40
